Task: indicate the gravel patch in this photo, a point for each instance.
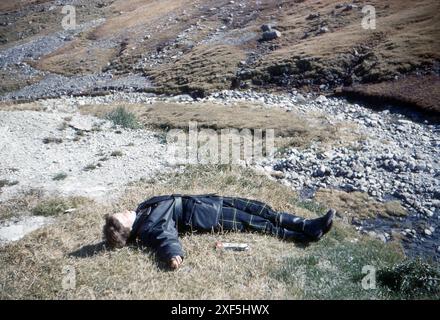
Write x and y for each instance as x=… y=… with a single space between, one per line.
x=48 y=145
x=42 y=45
x=55 y=85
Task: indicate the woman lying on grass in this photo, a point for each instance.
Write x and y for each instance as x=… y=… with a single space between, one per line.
x=157 y=222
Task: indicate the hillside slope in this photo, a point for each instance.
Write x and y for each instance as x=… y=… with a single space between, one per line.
x=198 y=46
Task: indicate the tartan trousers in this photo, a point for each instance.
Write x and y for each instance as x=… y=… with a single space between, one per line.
x=240 y=214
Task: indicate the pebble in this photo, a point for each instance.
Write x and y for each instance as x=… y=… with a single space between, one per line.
x=72 y=156
x=321 y=99
x=271 y=35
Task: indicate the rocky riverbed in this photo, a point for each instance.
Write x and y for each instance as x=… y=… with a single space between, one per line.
x=398 y=159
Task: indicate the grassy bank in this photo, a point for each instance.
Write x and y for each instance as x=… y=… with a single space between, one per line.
x=272 y=269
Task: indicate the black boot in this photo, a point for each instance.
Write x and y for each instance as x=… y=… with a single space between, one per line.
x=316 y=228
x=291 y=222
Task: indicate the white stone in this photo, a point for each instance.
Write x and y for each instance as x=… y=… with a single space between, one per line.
x=13 y=231
x=321 y=99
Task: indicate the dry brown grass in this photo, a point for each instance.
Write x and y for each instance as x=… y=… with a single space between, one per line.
x=29 y=22
x=407 y=36
x=8 y=83
x=126 y=24
x=205 y=69
x=406 y=39
x=6 y=6
x=422 y=92
x=54 y=244
x=291 y=128
x=76 y=58
x=34 y=202
x=412 y=29
x=20 y=205
x=358 y=204
x=31 y=106
x=32 y=267
x=135 y=14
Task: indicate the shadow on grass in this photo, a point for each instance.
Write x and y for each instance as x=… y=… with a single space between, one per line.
x=89 y=250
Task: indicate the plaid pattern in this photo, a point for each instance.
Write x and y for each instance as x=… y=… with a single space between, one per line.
x=240 y=214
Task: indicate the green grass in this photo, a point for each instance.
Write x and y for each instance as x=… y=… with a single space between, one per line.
x=117 y=153
x=413 y=279
x=333 y=269
x=90 y=167
x=60 y=176
x=51 y=207
x=121 y=117
x=56 y=206
x=7 y=183
x=311 y=206
x=52 y=140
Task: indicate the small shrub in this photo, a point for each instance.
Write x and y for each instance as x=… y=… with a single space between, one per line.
x=52 y=140
x=90 y=167
x=7 y=183
x=123 y=118
x=116 y=154
x=411 y=279
x=60 y=176
x=51 y=207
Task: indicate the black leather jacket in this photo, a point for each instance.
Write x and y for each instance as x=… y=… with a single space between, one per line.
x=160 y=219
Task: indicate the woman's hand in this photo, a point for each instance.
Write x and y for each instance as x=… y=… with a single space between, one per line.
x=175 y=262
